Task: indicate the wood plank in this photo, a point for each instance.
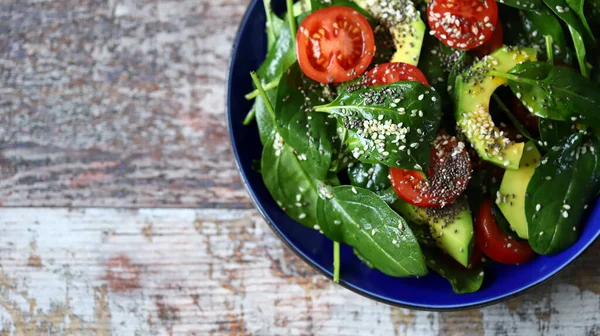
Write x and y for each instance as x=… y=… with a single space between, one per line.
x=223 y=272
x=117 y=103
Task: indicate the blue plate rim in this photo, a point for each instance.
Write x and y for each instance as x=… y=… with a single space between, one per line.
x=327 y=273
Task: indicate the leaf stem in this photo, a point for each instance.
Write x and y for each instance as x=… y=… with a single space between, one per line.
x=512 y=118
x=336 y=262
x=269 y=86
x=249 y=117
x=291 y=19
x=263 y=94
x=512 y=77
x=549 y=49
x=269 y=14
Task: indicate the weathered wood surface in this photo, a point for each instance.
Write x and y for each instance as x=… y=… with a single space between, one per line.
x=223 y=272
x=117 y=103
x=120 y=104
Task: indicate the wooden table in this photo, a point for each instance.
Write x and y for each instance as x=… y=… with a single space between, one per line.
x=123 y=212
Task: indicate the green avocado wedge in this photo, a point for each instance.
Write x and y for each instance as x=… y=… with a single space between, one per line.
x=404 y=23
x=511 y=195
x=474 y=88
x=450 y=226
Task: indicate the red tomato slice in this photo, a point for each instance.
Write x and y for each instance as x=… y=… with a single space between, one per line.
x=462 y=24
x=449 y=172
x=495 y=42
x=334 y=44
x=393 y=72
x=494 y=243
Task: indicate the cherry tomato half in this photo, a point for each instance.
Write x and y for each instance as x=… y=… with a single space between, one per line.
x=495 y=42
x=334 y=44
x=462 y=24
x=449 y=172
x=393 y=72
x=494 y=243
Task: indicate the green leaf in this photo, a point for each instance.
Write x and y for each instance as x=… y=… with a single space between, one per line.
x=308 y=132
x=555 y=92
x=567 y=178
x=530 y=5
x=463 y=280
x=552 y=132
x=361 y=258
x=390 y=124
x=362 y=220
x=266 y=127
x=389 y=196
x=437 y=61
x=577 y=7
x=341 y=157
x=463 y=62
x=370 y=176
x=576 y=28
x=279 y=58
x=289 y=182
x=537 y=25
x=273 y=25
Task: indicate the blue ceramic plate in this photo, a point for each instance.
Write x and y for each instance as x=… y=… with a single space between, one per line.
x=431 y=292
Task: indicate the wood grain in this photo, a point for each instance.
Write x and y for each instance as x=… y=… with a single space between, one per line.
x=223 y=272
x=111 y=107
x=117 y=103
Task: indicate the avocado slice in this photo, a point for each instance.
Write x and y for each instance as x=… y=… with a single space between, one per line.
x=404 y=22
x=451 y=226
x=410 y=212
x=474 y=88
x=511 y=195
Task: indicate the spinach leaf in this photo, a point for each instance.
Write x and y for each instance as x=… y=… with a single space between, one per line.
x=438 y=62
x=576 y=28
x=463 y=280
x=308 y=132
x=552 y=132
x=359 y=218
x=530 y=5
x=542 y=23
x=341 y=157
x=279 y=57
x=361 y=258
x=463 y=62
x=389 y=196
x=370 y=176
x=567 y=178
x=289 y=182
x=577 y=7
x=555 y=92
x=390 y=124
x=266 y=126
x=273 y=26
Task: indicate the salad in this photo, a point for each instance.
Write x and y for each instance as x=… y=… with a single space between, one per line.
x=438 y=135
